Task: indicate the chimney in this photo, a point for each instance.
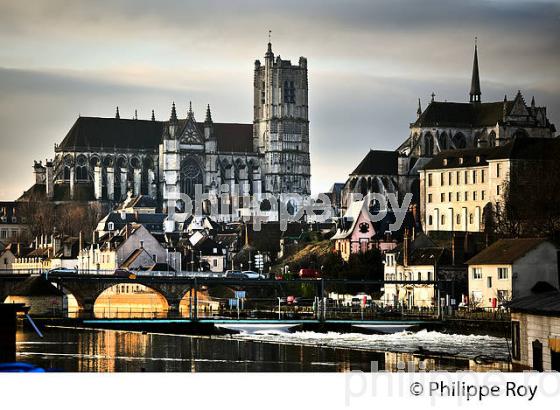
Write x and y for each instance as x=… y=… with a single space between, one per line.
x=406 y=246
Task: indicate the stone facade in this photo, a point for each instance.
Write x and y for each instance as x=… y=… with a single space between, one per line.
x=102 y=159
x=538 y=334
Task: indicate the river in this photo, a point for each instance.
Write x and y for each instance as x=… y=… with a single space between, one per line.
x=95 y=350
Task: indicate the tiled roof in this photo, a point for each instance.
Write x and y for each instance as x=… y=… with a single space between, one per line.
x=141 y=134
x=453 y=114
x=505 y=251
x=378 y=162
x=546 y=303
x=520 y=148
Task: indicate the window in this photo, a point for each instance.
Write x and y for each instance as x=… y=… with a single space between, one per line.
x=429 y=179
x=215 y=262
x=449 y=197
x=477 y=273
x=482 y=195
x=498 y=190
x=502 y=273
x=474 y=195
x=466 y=177
x=442 y=197
x=419 y=276
x=471 y=219
x=498 y=170
x=154 y=257
x=515 y=340
x=430 y=220
x=442 y=179
x=429 y=276
x=449 y=178
x=474 y=176
x=458 y=219
x=111 y=226
x=289 y=92
x=537 y=356
x=430 y=198
x=482 y=175
x=458 y=195
x=489 y=282
x=457 y=177
x=443 y=219
x=466 y=196
x=502 y=295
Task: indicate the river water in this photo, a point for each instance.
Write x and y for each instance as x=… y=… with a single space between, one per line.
x=94 y=350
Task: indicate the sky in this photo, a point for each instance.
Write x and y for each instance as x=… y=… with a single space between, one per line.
x=369 y=61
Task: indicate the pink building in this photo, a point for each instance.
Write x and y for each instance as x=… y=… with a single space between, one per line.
x=356 y=233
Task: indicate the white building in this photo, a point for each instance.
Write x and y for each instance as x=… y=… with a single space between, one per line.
x=509 y=268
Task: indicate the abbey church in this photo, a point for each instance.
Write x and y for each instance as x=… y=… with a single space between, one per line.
x=443 y=126
x=102 y=159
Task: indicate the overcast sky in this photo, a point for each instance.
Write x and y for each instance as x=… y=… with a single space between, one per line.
x=369 y=61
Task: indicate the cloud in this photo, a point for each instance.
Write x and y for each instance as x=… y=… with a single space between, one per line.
x=369 y=61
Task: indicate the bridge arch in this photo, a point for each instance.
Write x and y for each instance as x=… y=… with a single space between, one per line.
x=130 y=300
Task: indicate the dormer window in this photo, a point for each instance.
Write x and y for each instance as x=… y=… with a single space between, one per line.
x=478 y=159
x=461 y=160
x=445 y=162
x=111 y=226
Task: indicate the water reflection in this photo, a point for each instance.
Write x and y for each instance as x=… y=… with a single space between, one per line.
x=87 y=350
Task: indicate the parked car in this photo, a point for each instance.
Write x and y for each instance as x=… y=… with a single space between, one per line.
x=61 y=271
x=253 y=275
x=307 y=273
x=235 y=274
x=124 y=273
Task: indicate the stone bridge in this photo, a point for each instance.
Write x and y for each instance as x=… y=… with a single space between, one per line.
x=9 y=282
x=87 y=288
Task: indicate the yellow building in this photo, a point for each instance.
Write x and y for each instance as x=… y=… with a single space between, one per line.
x=458 y=187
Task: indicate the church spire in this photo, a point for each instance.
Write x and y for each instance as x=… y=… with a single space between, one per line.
x=269 y=53
x=419 y=110
x=190 y=113
x=153 y=116
x=173 y=117
x=475 y=81
x=208 y=119
x=117 y=115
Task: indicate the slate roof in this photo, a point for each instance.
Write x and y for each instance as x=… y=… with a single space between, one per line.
x=520 y=148
x=505 y=251
x=378 y=162
x=453 y=114
x=545 y=303
x=141 y=134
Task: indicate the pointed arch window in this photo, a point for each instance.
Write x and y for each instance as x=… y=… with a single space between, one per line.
x=191 y=175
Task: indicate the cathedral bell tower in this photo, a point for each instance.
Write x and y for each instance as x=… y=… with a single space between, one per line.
x=281 y=125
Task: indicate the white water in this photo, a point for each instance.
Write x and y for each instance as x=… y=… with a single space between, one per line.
x=449 y=344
